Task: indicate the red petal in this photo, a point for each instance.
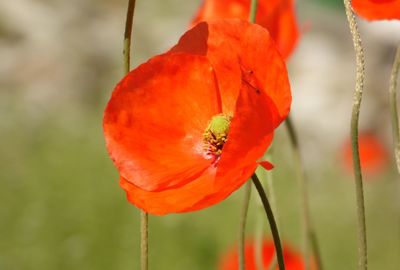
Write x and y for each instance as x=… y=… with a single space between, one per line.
x=293 y=260
x=266 y=165
x=234 y=47
x=278 y=16
x=155 y=119
x=377 y=9
x=250 y=133
x=374 y=157
x=198 y=194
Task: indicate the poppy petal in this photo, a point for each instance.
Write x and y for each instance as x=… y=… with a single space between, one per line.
x=250 y=133
x=235 y=47
x=278 y=16
x=377 y=9
x=266 y=165
x=247 y=142
x=154 y=121
x=293 y=260
x=195 y=195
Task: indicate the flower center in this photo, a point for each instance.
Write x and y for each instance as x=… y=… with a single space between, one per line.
x=216 y=134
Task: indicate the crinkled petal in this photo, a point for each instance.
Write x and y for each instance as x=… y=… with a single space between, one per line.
x=236 y=47
x=155 y=119
x=377 y=9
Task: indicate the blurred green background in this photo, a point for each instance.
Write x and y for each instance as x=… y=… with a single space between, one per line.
x=61 y=205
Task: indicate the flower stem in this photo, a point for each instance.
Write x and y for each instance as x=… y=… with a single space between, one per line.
x=259 y=235
x=144 y=217
x=144 y=243
x=253 y=11
x=271 y=219
x=242 y=228
x=127 y=35
x=393 y=107
x=360 y=75
x=308 y=230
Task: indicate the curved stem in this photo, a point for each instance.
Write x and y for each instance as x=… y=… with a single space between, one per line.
x=393 y=107
x=144 y=243
x=259 y=237
x=127 y=35
x=242 y=228
x=271 y=219
x=308 y=230
x=362 y=235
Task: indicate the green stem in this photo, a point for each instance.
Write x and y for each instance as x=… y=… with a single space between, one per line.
x=308 y=230
x=272 y=199
x=144 y=240
x=144 y=217
x=242 y=228
x=360 y=75
x=127 y=35
x=271 y=219
x=253 y=11
x=258 y=238
x=393 y=107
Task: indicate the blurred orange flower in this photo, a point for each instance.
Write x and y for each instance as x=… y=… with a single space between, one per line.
x=187 y=128
x=278 y=16
x=377 y=9
x=230 y=261
x=374 y=157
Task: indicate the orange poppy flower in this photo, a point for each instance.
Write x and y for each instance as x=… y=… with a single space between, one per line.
x=230 y=261
x=188 y=127
x=278 y=16
x=377 y=9
x=373 y=155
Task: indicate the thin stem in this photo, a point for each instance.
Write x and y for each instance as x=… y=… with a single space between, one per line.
x=144 y=243
x=308 y=230
x=360 y=75
x=268 y=175
x=253 y=11
x=316 y=249
x=242 y=228
x=393 y=107
x=127 y=35
x=272 y=199
x=144 y=217
x=272 y=223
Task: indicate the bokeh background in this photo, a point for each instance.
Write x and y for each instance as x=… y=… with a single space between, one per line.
x=61 y=205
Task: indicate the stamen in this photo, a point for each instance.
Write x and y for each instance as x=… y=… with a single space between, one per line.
x=216 y=134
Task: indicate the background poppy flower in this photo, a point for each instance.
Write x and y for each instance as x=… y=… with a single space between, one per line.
x=373 y=154
x=293 y=260
x=377 y=9
x=278 y=16
x=155 y=121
